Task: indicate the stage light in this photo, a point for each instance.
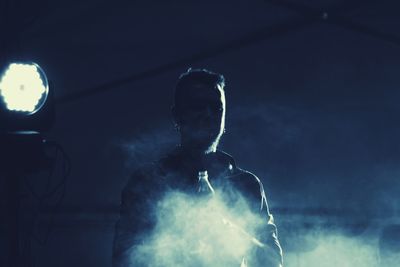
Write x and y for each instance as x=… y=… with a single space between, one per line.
x=26 y=101
x=24 y=88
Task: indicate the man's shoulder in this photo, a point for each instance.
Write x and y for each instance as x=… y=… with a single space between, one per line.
x=244 y=178
x=247 y=183
x=245 y=175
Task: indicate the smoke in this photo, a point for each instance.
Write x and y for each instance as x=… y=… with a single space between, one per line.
x=144 y=147
x=203 y=231
x=274 y=125
x=198 y=231
x=332 y=249
x=324 y=172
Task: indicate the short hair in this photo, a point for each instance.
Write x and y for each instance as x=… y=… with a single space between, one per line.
x=199 y=77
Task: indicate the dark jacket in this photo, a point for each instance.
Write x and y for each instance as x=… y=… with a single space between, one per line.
x=148 y=184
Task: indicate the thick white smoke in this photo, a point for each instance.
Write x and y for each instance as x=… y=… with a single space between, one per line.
x=335 y=249
x=207 y=231
x=195 y=231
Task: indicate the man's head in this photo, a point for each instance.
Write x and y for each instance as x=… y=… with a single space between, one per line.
x=199 y=109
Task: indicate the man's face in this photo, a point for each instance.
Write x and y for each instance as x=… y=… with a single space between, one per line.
x=201 y=117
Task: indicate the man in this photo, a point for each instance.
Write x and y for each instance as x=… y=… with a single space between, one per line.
x=196 y=165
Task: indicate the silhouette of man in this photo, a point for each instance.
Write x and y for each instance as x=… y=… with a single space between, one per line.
x=199 y=115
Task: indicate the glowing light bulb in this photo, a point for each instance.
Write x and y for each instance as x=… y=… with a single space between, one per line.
x=23 y=87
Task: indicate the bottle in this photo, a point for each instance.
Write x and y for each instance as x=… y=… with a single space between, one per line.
x=204 y=186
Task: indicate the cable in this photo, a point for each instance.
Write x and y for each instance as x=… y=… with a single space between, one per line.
x=337 y=20
x=59 y=157
x=61 y=186
x=245 y=41
x=310 y=16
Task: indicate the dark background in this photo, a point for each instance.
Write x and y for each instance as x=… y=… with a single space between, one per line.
x=312 y=104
